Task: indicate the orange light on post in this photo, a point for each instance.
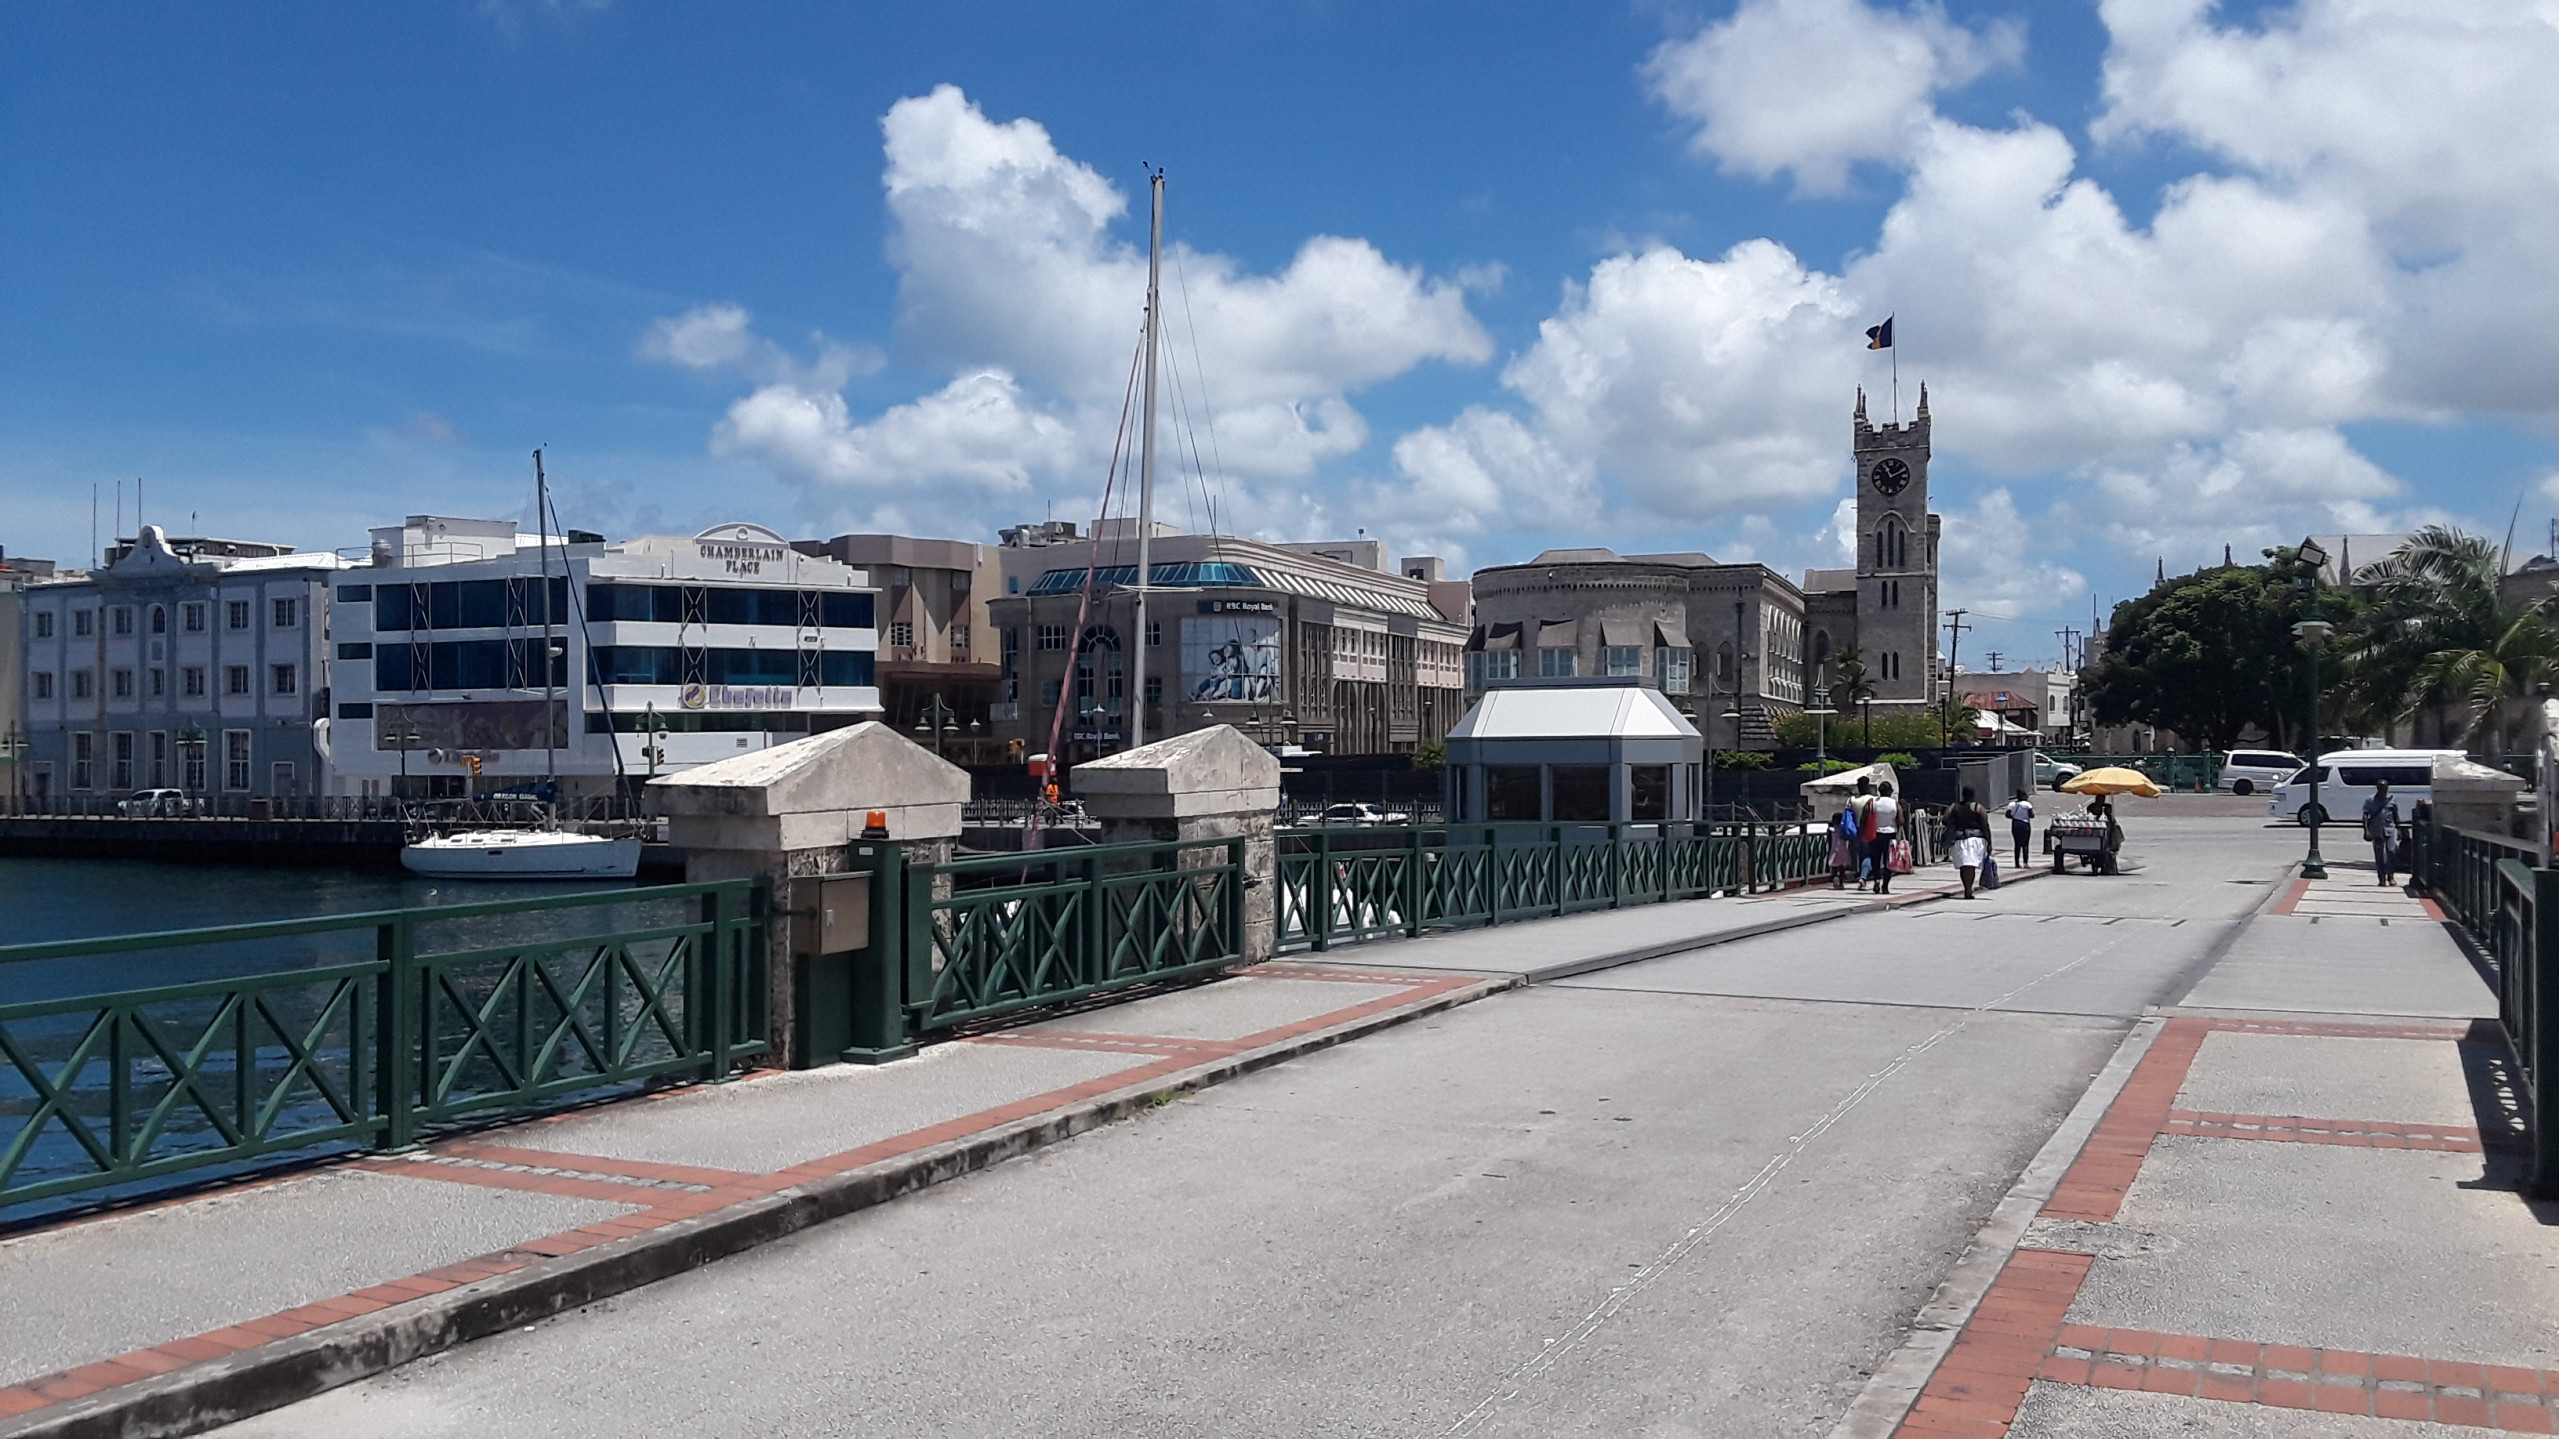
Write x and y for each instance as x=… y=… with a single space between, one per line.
x=875 y=824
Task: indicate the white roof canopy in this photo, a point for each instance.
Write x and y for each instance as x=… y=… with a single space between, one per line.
x=1575 y=712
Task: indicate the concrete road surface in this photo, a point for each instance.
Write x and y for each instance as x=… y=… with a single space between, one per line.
x=1701 y=1195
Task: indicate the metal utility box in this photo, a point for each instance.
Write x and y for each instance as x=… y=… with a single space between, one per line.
x=836 y=918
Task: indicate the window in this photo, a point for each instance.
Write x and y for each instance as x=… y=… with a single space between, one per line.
x=1670 y=670
x=287 y=779
x=1052 y=637
x=1581 y=792
x=356 y=650
x=1648 y=796
x=1154 y=633
x=355 y=594
x=959 y=639
x=1049 y=691
x=120 y=683
x=235 y=614
x=191 y=617
x=121 y=620
x=191 y=682
x=83 y=685
x=41 y=683
x=1511 y=792
x=44 y=624
x=84 y=623
x=122 y=742
x=159 y=619
x=1625 y=660
x=1555 y=662
x=1155 y=689
x=235 y=679
x=284 y=613
x=902 y=634
x=282 y=679
x=192 y=763
x=1012 y=584
x=159 y=684
x=235 y=758
x=84 y=760
x=159 y=759
x=355 y=710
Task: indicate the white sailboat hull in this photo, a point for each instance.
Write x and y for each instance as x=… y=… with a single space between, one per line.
x=522 y=854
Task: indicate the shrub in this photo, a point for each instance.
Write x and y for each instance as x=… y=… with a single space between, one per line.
x=1741 y=759
x=1899 y=759
x=1831 y=766
x=1430 y=754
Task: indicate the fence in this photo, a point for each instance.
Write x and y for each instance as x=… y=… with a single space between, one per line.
x=988 y=936
x=2499 y=891
x=397 y=1022
x=1338 y=886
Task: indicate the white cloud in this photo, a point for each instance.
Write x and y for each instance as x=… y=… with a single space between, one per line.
x=720 y=338
x=1989 y=565
x=1011 y=279
x=1816 y=86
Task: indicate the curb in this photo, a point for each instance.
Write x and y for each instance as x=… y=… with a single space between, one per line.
x=1897 y=1382
x=204 y=1396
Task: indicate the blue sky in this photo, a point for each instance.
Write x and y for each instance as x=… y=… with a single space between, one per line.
x=306 y=268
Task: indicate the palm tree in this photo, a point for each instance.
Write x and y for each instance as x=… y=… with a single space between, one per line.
x=1854 y=688
x=2442 y=633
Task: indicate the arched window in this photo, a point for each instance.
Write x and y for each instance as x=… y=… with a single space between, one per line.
x=1724 y=662
x=159 y=619
x=1821 y=650
x=1892 y=544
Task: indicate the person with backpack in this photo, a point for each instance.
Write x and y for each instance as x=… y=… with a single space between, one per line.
x=2021 y=826
x=2381 y=828
x=1883 y=825
x=1845 y=847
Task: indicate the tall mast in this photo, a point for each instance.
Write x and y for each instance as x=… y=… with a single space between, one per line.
x=1146 y=473
x=550 y=724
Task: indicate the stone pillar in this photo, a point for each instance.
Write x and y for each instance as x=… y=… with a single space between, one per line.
x=796 y=811
x=1208 y=785
x=2472 y=796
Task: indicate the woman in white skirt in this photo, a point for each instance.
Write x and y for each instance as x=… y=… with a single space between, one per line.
x=1968 y=837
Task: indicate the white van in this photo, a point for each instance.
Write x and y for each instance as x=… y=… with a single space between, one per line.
x=2346 y=778
x=2252 y=771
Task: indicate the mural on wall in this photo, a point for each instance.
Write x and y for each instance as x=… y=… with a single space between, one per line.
x=1230 y=657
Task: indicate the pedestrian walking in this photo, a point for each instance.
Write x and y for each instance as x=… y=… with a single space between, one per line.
x=1862 y=805
x=2021 y=826
x=2381 y=828
x=1968 y=838
x=1845 y=846
x=1885 y=814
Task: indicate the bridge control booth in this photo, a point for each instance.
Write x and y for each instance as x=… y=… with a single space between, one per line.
x=1595 y=750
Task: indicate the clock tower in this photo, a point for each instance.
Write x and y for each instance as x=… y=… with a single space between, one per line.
x=1896 y=558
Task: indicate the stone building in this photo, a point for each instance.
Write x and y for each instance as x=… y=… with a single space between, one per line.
x=1315 y=645
x=937 y=643
x=1738 y=639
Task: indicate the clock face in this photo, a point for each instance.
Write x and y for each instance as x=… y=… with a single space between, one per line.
x=1890 y=476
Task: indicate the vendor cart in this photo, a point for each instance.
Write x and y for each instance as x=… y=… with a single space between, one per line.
x=2086 y=838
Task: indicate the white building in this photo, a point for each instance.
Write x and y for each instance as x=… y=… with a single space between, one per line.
x=194 y=663
x=718 y=644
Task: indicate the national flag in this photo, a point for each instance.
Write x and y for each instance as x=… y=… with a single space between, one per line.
x=1880 y=337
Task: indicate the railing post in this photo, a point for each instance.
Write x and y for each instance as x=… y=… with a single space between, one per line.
x=1234 y=888
x=1416 y=886
x=878 y=975
x=1492 y=874
x=2538 y=1047
x=702 y=1014
x=1319 y=891
x=1555 y=862
x=396 y=1037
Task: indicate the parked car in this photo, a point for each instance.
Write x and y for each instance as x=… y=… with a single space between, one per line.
x=157 y=804
x=2346 y=778
x=2051 y=773
x=1362 y=814
x=2246 y=771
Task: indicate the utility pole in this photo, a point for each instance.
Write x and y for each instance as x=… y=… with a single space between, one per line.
x=1955 y=628
x=1994 y=661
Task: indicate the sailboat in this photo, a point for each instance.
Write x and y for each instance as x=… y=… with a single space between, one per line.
x=549 y=852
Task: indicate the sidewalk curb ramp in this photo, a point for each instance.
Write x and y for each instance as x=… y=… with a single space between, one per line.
x=1896 y=1383
x=254 y=1381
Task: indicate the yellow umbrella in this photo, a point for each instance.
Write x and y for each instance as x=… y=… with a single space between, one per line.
x=2113 y=779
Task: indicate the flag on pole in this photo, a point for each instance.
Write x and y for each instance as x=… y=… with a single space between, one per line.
x=1880 y=337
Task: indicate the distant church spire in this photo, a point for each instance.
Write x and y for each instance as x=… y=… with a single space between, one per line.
x=2225 y=555
x=2163 y=569
x=1923 y=402
x=1861 y=404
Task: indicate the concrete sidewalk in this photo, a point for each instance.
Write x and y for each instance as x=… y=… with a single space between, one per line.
x=231 y=1301
x=2298 y=1215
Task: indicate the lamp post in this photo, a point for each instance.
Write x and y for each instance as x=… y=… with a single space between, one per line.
x=404 y=734
x=191 y=759
x=1821 y=713
x=2313 y=632
x=937 y=720
x=12 y=746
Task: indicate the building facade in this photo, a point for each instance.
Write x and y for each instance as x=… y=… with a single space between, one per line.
x=1290 y=644
x=1734 y=645
x=937 y=670
x=197 y=664
x=664 y=652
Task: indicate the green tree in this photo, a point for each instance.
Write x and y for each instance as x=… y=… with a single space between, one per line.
x=1430 y=755
x=1853 y=689
x=2212 y=653
x=2441 y=639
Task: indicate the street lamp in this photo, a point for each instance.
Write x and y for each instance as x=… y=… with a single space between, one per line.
x=191 y=758
x=2313 y=632
x=937 y=720
x=1821 y=713
x=403 y=734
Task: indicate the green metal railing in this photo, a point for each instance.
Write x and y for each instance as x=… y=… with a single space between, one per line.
x=989 y=936
x=2509 y=901
x=442 y=1022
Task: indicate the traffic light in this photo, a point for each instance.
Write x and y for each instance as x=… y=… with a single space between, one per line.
x=474 y=762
